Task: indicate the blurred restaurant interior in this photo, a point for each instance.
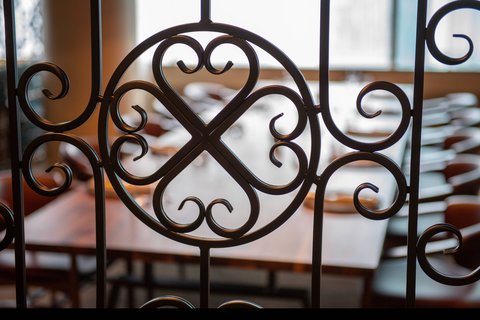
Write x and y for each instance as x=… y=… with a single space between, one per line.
x=255 y=153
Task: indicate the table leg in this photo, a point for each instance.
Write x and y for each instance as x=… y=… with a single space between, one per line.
x=130 y=295
x=367 y=291
x=112 y=300
x=148 y=279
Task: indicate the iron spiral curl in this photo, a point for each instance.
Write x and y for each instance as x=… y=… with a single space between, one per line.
x=168 y=301
x=235 y=304
x=206 y=137
x=99 y=189
x=382 y=160
x=33 y=116
x=430 y=270
x=182 y=303
x=424 y=239
x=96 y=76
x=432 y=27
x=379 y=145
x=29 y=153
x=132 y=135
x=8 y=223
x=282 y=140
x=205 y=212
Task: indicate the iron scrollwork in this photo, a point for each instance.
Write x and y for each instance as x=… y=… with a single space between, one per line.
x=371 y=146
x=367 y=151
x=380 y=159
x=432 y=27
x=427 y=235
x=55 y=133
x=181 y=303
x=168 y=301
x=207 y=136
x=430 y=270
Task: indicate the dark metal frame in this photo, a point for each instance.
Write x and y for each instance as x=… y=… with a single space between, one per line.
x=206 y=137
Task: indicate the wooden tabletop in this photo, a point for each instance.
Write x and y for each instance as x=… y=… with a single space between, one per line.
x=351 y=243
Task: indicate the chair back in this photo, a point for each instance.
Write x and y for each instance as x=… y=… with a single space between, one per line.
x=462 y=212
x=463 y=173
x=33 y=200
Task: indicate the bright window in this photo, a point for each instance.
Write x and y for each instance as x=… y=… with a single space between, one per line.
x=364 y=34
x=293 y=26
x=458 y=22
x=29 y=30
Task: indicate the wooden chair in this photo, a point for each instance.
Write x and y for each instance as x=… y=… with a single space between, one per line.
x=458 y=141
x=444 y=116
x=388 y=286
x=450 y=103
x=466 y=140
x=53 y=271
x=460 y=177
x=467 y=117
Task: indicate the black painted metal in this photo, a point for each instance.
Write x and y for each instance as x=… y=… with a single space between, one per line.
x=23 y=162
x=15 y=151
x=439 y=228
x=415 y=147
x=207 y=137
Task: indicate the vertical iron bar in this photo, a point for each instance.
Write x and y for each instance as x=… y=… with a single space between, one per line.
x=324 y=100
x=205 y=11
x=394 y=35
x=130 y=296
x=100 y=234
x=317 y=246
x=204 y=276
x=96 y=50
x=324 y=51
x=100 y=229
x=15 y=152
x=415 y=150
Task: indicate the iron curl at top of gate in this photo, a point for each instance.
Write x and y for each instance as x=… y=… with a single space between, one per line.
x=207 y=136
x=389 y=141
x=432 y=27
x=55 y=70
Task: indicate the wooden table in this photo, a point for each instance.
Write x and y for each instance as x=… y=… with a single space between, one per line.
x=352 y=244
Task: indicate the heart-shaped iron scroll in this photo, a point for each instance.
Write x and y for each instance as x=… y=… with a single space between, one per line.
x=207 y=136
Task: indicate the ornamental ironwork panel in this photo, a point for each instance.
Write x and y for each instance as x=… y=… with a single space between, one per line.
x=207 y=137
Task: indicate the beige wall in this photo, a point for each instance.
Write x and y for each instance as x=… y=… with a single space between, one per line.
x=67 y=44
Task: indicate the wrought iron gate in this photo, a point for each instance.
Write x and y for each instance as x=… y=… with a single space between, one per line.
x=207 y=137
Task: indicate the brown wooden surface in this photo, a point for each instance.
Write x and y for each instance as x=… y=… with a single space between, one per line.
x=351 y=243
